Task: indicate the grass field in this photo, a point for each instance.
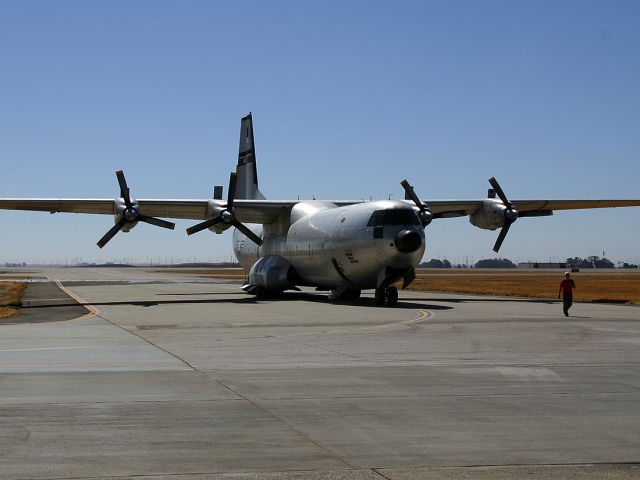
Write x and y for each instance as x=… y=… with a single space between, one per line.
x=614 y=286
x=591 y=286
x=10 y=294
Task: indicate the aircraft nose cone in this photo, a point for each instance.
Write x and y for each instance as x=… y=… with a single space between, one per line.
x=408 y=241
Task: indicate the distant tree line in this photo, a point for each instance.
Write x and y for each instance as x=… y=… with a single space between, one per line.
x=435 y=263
x=590 y=262
x=487 y=263
x=495 y=263
x=575 y=262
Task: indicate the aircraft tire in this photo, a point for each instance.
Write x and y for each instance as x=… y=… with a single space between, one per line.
x=392 y=296
x=380 y=296
x=261 y=293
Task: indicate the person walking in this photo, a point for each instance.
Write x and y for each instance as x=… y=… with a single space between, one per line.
x=566 y=288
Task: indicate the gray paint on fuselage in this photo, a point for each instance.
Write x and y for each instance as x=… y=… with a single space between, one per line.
x=316 y=233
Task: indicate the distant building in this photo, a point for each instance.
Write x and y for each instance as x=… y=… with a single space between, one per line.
x=542 y=265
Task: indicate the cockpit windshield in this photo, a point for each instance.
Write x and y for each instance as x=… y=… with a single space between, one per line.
x=394 y=217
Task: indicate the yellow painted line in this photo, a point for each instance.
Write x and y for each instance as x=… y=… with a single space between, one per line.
x=422 y=315
x=91 y=310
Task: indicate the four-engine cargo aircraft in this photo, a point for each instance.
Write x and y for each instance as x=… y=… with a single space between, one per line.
x=338 y=246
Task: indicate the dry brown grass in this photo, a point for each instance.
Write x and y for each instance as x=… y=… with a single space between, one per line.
x=609 y=286
x=10 y=295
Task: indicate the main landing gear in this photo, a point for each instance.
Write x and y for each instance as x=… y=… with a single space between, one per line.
x=390 y=294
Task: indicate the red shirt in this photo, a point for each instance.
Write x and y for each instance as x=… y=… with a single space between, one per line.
x=567 y=285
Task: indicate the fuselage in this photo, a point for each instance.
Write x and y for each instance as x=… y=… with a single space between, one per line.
x=331 y=246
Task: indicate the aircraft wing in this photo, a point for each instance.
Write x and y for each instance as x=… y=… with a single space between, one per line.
x=52 y=205
x=248 y=211
x=266 y=211
x=530 y=208
x=188 y=209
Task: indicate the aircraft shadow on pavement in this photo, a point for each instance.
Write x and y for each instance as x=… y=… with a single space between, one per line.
x=285 y=297
x=357 y=302
x=488 y=300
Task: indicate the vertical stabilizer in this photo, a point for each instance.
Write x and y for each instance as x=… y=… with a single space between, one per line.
x=247 y=188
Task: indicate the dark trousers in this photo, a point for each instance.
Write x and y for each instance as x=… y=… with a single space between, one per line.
x=567 y=301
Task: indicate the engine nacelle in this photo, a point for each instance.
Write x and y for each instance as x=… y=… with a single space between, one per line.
x=128 y=213
x=273 y=274
x=490 y=216
x=214 y=209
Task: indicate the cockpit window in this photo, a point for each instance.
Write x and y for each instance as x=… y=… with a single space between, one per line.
x=393 y=217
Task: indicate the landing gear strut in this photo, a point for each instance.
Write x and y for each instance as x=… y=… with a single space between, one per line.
x=390 y=294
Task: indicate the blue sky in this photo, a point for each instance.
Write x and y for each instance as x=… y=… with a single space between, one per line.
x=348 y=99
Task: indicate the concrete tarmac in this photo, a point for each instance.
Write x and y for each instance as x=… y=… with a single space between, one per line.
x=171 y=376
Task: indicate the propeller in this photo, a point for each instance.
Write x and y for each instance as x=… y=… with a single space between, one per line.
x=226 y=216
x=510 y=214
x=131 y=214
x=425 y=214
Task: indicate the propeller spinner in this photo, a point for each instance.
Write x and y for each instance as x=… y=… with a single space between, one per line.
x=131 y=214
x=226 y=216
x=510 y=214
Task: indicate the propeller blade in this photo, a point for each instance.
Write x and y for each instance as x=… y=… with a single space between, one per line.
x=425 y=215
x=124 y=189
x=409 y=277
x=157 y=222
x=111 y=233
x=496 y=187
x=411 y=194
x=203 y=225
x=233 y=182
x=252 y=236
x=501 y=236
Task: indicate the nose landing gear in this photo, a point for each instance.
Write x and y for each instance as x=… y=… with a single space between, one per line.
x=388 y=294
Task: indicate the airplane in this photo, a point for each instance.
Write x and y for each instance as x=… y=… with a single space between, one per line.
x=342 y=247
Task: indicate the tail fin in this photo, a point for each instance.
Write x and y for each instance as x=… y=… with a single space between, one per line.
x=247 y=188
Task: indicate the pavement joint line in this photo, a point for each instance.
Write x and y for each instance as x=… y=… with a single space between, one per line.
x=132 y=332
x=94 y=312
x=377 y=472
x=324 y=349
x=453 y=395
x=58 y=348
x=278 y=419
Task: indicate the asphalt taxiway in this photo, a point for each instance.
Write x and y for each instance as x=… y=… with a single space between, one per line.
x=165 y=375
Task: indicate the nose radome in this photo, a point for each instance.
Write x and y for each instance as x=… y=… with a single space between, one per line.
x=408 y=241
